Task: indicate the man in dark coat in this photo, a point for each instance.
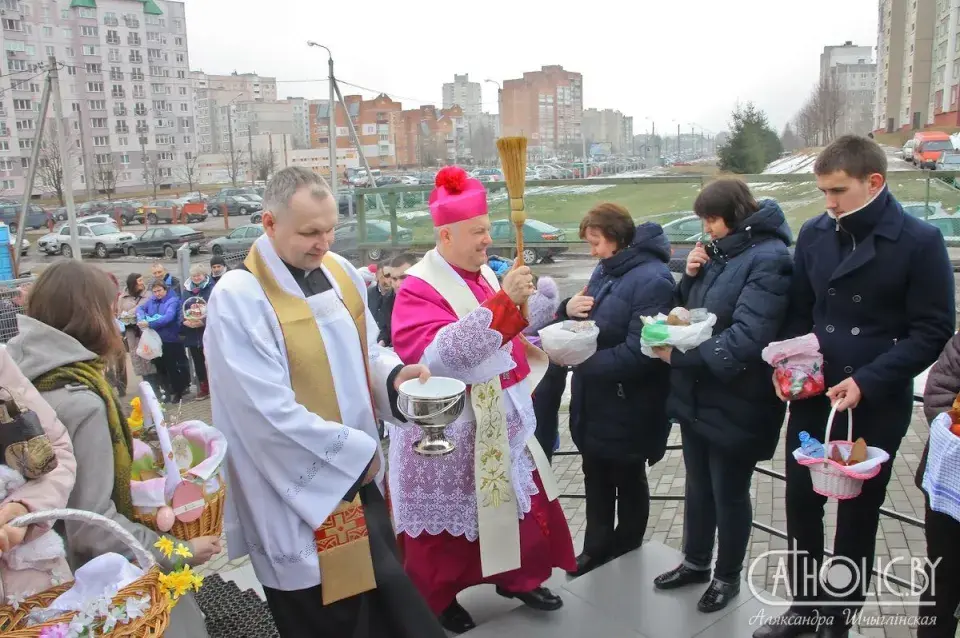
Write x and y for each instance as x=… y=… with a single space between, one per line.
x=618 y=416
x=876 y=287
x=395 y=278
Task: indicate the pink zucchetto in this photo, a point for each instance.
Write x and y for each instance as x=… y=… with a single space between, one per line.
x=456 y=197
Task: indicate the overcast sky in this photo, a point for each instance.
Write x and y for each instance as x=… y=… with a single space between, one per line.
x=677 y=61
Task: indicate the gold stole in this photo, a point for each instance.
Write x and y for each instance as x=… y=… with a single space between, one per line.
x=343 y=546
x=496 y=501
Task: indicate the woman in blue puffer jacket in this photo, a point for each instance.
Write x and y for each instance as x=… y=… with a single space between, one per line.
x=618 y=396
x=720 y=392
x=162 y=314
x=199 y=285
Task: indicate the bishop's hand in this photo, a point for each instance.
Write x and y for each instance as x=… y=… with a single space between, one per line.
x=415 y=371
x=518 y=283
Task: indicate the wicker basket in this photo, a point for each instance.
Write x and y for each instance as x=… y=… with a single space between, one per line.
x=152 y=623
x=832 y=479
x=210 y=522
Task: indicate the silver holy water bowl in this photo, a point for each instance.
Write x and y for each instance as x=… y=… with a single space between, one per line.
x=432 y=406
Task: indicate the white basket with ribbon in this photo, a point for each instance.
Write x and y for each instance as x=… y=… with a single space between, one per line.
x=836 y=480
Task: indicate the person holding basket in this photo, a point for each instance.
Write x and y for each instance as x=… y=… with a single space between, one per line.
x=876 y=288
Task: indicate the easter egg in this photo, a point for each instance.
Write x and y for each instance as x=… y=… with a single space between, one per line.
x=165 y=519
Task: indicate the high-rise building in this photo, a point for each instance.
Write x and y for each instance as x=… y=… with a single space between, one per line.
x=301 y=120
x=547 y=107
x=905 y=62
x=850 y=70
x=890 y=37
x=213 y=92
x=429 y=137
x=465 y=94
x=605 y=126
x=943 y=109
x=125 y=86
x=626 y=135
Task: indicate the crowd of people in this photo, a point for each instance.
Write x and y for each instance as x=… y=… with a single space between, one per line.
x=305 y=357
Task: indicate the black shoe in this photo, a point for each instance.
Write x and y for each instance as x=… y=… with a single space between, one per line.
x=837 y=629
x=681 y=576
x=540 y=598
x=585 y=565
x=456 y=619
x=791 y=624
x=718 y=596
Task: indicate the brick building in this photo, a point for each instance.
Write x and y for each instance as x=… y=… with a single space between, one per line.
x=430 y=137
x=372 y=120
x=546 y=106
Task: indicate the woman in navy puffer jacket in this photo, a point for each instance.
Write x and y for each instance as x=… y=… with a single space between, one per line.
x=720 y=392
x=200 y=284
x=617 y=412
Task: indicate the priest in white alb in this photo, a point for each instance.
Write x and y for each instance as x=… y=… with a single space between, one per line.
x=487 y=512
x=298 y=382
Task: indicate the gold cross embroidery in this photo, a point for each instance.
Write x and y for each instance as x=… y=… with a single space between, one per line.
x=339 y=528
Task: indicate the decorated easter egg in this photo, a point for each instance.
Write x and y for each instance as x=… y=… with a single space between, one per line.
x=165 y=519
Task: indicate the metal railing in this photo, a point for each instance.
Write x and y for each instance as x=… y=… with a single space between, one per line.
x=773 y=531
x=382 y=213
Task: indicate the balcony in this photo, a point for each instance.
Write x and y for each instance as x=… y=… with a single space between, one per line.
x=132 y=23
x=116 y=76
x=133 y=40
x=137 y=76
x=143 y=128
x=120 y=111
x=113 y=40
x=111 y=21
x=118 y=94
x=136 y=58
x=123 y=130
x=140 y=112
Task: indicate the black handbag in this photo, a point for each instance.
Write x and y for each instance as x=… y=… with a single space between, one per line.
x=24 y=446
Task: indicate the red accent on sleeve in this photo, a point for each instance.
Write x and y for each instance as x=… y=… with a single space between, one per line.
x=507 y=318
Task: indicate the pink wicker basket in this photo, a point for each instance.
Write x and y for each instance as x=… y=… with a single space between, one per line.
x=831 y=479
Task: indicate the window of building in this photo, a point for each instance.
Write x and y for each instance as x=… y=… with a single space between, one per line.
x=24 y=125
x=26 y=145
x=16 y=65
x=97 y=105
x=178 y=42
x=95 y=87
x=4 y=145
x=25 y=162
x=125 y=158
x=95 y=68
x=101 y=140
x=86 y=12
x=68 y=33
x=123 y=140
x=89 y=31
x=89 y=49
x=22 y=105
x=48 y=50
x=98 y=122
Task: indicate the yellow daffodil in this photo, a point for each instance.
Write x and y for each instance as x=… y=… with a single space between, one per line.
x=183 y=551
x=165 y=545
x=197 y=582
x=182 y=582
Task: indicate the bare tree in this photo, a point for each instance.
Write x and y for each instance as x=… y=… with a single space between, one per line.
x=234 y=161
x=50 y=162
x=806 y=124
x=264 y=165
x=189 y=171
x=105 y=176
x=151 y=171
x=482 y=143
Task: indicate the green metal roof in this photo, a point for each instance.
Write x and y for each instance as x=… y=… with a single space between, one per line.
x=149 y=7
x=88 y=4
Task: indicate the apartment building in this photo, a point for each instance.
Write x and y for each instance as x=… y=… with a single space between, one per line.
x=944 y=105
x=125 y=86
x=547 y=107
x=465 y=94
x=608 y=126
x=907 y=84
x=249 y=119
x=890 y=50
x=301 y=120
x=850 y=68
x=372 y=120
x=213 y=92
x=430 y=137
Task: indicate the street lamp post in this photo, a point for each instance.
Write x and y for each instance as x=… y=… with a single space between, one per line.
x=499 y=101
x=332 y=114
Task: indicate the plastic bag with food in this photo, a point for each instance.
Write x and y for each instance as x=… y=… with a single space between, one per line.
x=570 y=343
x=683 y=329
x=797 y=365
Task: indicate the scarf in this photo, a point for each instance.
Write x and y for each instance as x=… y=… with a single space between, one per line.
x=91 y=374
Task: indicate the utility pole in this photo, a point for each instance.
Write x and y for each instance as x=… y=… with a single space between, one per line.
x=355 y=138
x=332 y=128
x=233 y=154
x=83 y=154
x=250 y=149
x=54 y=75
x=31 y=176
x=679 y=154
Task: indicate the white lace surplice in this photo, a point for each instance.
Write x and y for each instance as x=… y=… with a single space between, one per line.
x=438 y=494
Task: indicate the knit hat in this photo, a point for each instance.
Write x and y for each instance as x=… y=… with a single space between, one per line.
x=217 y=260
x=456 y=197
x=542 y=305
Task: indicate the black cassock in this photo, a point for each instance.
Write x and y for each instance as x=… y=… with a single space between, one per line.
x=395 y=609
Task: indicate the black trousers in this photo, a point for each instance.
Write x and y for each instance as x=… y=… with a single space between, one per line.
x=614 y=488
x=942 y=532
x=546 y=406
x=199 y=363
x=716 y=503
x=855 y=539
x=173 y=366
x=395 y=609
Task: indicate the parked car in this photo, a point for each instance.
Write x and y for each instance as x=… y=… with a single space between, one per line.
x=907 y=150
x=24 y=243
x=926 y=153
x=347 y=238
x=948 y=162
x=95 y=219
x=410 y=180
x=160 y=210
x=686 y=229
x=486 y=175
x=923 y=210
x=10 y=214
x=547 y=171
x=98 y=239
x=124 y=212
x=949 y=227
x=535 y=233
x=239 y=240
x=388 y=180
x=91 y=208
x=52 y=243
x=237 y=190
x=236 y=205
x=164 y=241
